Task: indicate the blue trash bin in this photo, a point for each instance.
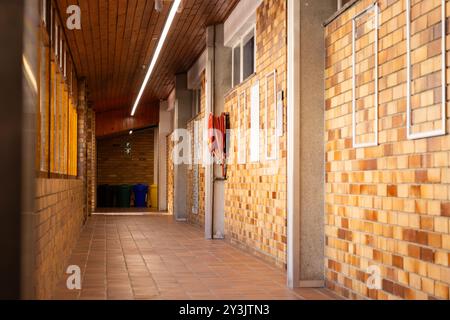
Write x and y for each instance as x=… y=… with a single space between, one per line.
x=140 y=195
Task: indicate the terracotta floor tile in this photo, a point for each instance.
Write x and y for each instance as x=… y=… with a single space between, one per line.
x=155 y=258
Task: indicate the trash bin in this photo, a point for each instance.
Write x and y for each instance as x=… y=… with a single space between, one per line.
x=154 y=196
x=115 y=190
x=140 y=195
x=109 y=197
x=101 y=196
x=124 y=196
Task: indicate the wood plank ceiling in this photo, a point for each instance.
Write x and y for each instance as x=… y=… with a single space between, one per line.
x=118 y=38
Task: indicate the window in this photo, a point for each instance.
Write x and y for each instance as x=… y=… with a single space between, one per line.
x=58 y=120
x=244 y=58
x=44 y=109
x=249 y=55
x=237 y=65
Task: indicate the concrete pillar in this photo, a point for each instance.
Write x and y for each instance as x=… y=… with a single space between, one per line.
x=209 y=108
x=218 y=73
x=182 y=115
x=17 y=137
x=305 y=132
x=164 y=129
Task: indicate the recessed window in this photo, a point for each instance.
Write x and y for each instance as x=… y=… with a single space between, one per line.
x=249 y=55
x=237 y=65
x=244 y=55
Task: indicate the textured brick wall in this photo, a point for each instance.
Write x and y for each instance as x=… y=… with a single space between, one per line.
x=59 y=219
x=170 y=175
x=115 y=167
x=91 y=155
x=255 y=193
x=387 y=206
x=199 y=217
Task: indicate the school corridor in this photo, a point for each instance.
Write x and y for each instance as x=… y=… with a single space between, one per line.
x=225 y=150
x=157 y=258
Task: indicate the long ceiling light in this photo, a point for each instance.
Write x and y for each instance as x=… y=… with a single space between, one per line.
x=162 y=39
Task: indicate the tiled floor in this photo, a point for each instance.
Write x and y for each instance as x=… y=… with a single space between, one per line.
x=152 y=257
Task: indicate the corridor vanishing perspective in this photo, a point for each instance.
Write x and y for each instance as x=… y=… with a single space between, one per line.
x=222 y=150
x=157 y=258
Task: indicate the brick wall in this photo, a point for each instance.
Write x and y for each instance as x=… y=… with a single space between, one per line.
x=91 y=156
x=115 y=167
x=199 y=217
x=170 y=175
x=59 y=219
x=255 y=193
x=388 y=205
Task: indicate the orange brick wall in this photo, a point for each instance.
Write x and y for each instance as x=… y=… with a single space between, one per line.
x=91 y=156
x=115 y=167
x=389 y=205
x=170 y=175
x=59 y=219
x=255 y=194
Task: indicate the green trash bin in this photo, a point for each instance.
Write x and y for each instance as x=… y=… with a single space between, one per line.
x=123 y=196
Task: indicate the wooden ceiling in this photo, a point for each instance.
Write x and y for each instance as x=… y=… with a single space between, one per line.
x=118 y=38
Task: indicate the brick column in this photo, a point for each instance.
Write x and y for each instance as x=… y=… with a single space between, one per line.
x=91 y=158
x=82 y=141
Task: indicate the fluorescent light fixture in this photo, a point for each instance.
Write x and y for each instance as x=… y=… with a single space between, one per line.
x=162 y=39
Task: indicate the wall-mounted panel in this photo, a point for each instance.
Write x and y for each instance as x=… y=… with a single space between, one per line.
x=426 y=68
x=365 y=77
x=255 y=124
x=242 y=128
x=271 y=116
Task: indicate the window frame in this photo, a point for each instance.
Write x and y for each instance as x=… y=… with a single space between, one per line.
x=375 y=9
x=241 y=42
x=409 y=125
x=232 y=64
x=274 y=156
x=57 y=156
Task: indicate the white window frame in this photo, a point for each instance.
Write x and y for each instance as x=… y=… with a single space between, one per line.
x=56 y=39
x=240 y=43
x=369 y=9
x=65 y=64
x=255 y=112
x=61 y=50
x=266 y=107
x=44 y=11
x=443 y=130
x=232 y=67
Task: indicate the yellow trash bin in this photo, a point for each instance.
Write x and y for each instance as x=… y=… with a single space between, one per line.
x=154 y=196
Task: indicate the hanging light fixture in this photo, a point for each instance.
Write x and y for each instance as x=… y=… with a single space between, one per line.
x=162 y=39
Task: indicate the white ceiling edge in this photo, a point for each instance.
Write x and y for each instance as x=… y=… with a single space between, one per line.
x=241 y=20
